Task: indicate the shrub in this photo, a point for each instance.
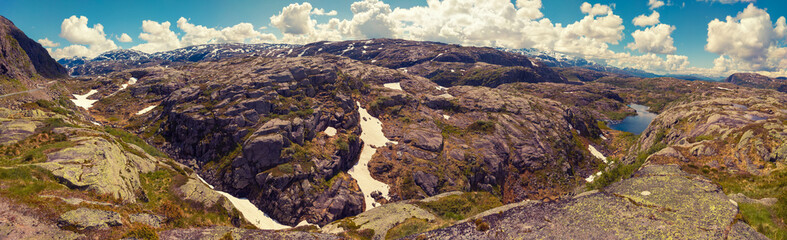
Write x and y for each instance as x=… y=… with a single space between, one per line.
x=482 y=126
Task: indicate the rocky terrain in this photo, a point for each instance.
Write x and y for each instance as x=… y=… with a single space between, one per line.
x=461 y=142
x=754 y=80
x=658 y=201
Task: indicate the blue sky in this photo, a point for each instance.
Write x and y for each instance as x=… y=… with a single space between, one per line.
x=604 y=35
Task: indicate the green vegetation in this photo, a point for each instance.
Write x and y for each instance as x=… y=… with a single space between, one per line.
x=768 y=220
x=702 y=138
x=133 y=139
x=408 y=227
x=142 y=232
x=461 y=206
x=482 y=126
x=623 y=171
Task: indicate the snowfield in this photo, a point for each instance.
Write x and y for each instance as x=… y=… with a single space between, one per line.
x=373 y=137
x=82 y=101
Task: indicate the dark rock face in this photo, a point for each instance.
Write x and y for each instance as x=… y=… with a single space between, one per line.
x=658 y=201
x=475 y=138
x=43 y=64
x=260 y=136
x=426 y=181
x=755 y=80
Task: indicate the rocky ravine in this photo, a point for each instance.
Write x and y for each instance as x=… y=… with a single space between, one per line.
x=254 y=127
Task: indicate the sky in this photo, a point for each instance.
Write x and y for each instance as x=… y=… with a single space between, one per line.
x=702 y=37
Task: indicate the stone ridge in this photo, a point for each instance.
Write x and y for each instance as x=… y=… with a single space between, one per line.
x=660 y=200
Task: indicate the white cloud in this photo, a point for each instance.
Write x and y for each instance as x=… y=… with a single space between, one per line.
x=644 y=21
x=597 y=9
x=656 y=39
x=75 y=30
x=653 y=4
x=748 y=41
x=48 y=43
x=371 y=19
x=294 y=19
x=124 y=38
x=320 y=11
x=727 y=1
x=158 y=37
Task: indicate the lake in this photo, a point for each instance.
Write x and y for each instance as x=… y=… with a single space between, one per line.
x=637 y=123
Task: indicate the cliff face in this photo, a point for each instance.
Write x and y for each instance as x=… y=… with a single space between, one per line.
x=22 y=57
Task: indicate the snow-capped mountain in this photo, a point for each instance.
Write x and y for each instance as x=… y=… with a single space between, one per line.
x=550 y=58
x=120 y=59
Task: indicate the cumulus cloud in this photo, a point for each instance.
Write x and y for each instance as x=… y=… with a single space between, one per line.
x=294 y=19
x=320 y=11
x=124 y=38
x=748 y=41
x=653 y=4
x=86 y=41
x=656 y=39
x=158 y=37
x=501 y=23
x=644 y=21
x=597 y=9
x=48 y=43
x=371 y=19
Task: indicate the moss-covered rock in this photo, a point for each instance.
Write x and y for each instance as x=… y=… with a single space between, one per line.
x=88 y=218
x=660 y=201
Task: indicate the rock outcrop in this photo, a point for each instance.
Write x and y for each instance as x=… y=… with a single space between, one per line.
x=90 y=219
x=660 y=200
x=755 y=80
x=211 y=233
x=23 y=62
x=98 y=165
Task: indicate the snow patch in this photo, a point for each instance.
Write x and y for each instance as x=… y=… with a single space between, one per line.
x=146 y=110
x=373 y=137
x=597 y=154
x=446 y=95
x=254 y=214
x=394 y=86
x=131 y=81
x=602 y=137
x=374 y=60
x=441 y=88
x=446 y=117
x=330 y=131
x=645 y=193
x=82 y=101
x=593 y=177
x=250 y=212
x=724 y=88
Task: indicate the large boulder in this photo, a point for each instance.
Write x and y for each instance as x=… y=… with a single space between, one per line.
x=98 y=165
x=91 y=219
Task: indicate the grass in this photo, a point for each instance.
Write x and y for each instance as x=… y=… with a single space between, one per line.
x=623 y=171
x=768 y=220
x=482 y=126
x=408 y=227
x=461 y=206
x=133 y=139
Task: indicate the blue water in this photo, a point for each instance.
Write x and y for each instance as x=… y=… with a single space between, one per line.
x=637 y=123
